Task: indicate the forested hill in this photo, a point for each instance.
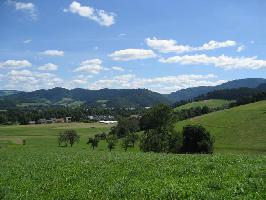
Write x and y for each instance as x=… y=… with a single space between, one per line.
x=8 y=92
x=103 y=97
x=191 y=93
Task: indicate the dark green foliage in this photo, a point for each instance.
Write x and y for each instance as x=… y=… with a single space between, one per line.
x=125 y=143
x=159 y=133
x=61 y=139
x=125 y=126
x=159 y=117
x=196 y=139
x=111 y=142
x=93 y=141
x=101 y=136
x=69 y=136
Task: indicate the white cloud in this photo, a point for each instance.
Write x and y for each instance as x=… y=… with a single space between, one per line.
x=28 y=8
x=27 y=80
x=168 y=46
x=240 y=48
x=117 y=68
x=93 y=66
x=100 y=16
x=165 y=84
x=225 y=62
x=53 y=53
x=15 y=64
x=48 y=67
x=26 y=41
x=132 y=54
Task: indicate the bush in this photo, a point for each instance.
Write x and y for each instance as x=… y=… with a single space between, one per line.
x=196 y=139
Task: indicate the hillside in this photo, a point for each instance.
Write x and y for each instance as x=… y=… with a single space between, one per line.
x=190 y=93
x=8 y=92
x=103 y=97
x=239 y=129
x=211 y=103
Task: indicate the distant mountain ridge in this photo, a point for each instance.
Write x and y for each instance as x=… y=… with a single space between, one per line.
x=8 y=92
x=106 y=97
x=115 y=97
x=190 y=93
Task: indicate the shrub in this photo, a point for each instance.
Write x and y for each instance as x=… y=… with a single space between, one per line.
x=196 y=139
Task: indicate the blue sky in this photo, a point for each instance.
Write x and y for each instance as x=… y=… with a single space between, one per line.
x=162 y=45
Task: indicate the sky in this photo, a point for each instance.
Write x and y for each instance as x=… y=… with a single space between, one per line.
x=161 y=45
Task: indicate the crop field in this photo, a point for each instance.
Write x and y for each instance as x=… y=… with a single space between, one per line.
x=42 y=170
x=81 y=173
x=241 y=129
x=211 y=103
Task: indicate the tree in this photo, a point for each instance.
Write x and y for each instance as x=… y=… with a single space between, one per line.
x=93 y=141
x=111 y=141
x=196 y=139
x=125 y=143
x=159 y=133
x=71 y=136
x=61 y=138
x=132 y=137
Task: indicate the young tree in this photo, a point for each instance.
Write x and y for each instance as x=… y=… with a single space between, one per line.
x=125 y=143
x=196 y=139
x=93 y=141
x=111 y=141
x=71 y=137
x=61 y=139
x=132 y=137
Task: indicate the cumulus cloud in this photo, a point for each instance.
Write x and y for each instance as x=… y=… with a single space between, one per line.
x=132 y=54
x=100 y=16
x=27 y=80
x=28 y=8
x=48 y=67
x=164 y=84
x=15 y=64
x=225 y=62
x=53 y=53
x=168 y=46
x=93 y=66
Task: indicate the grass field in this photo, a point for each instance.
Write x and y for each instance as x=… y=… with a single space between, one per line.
x=42 y=170
x=81 y=173
x=240 y=129
x=211 y=103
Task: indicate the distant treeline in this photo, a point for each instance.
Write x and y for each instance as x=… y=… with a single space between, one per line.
x=241 y=96
x=24 y=115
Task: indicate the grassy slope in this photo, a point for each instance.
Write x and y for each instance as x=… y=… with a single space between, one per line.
x=211 y=103
x=241 y=128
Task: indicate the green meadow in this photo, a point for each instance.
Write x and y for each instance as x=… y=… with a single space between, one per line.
x=42 y=170
x=240 y=129
x=211 y=103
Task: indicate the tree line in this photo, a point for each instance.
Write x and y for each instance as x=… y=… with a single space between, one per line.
x=155 y=132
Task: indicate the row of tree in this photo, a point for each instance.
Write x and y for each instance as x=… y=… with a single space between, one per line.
x=157 y=134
